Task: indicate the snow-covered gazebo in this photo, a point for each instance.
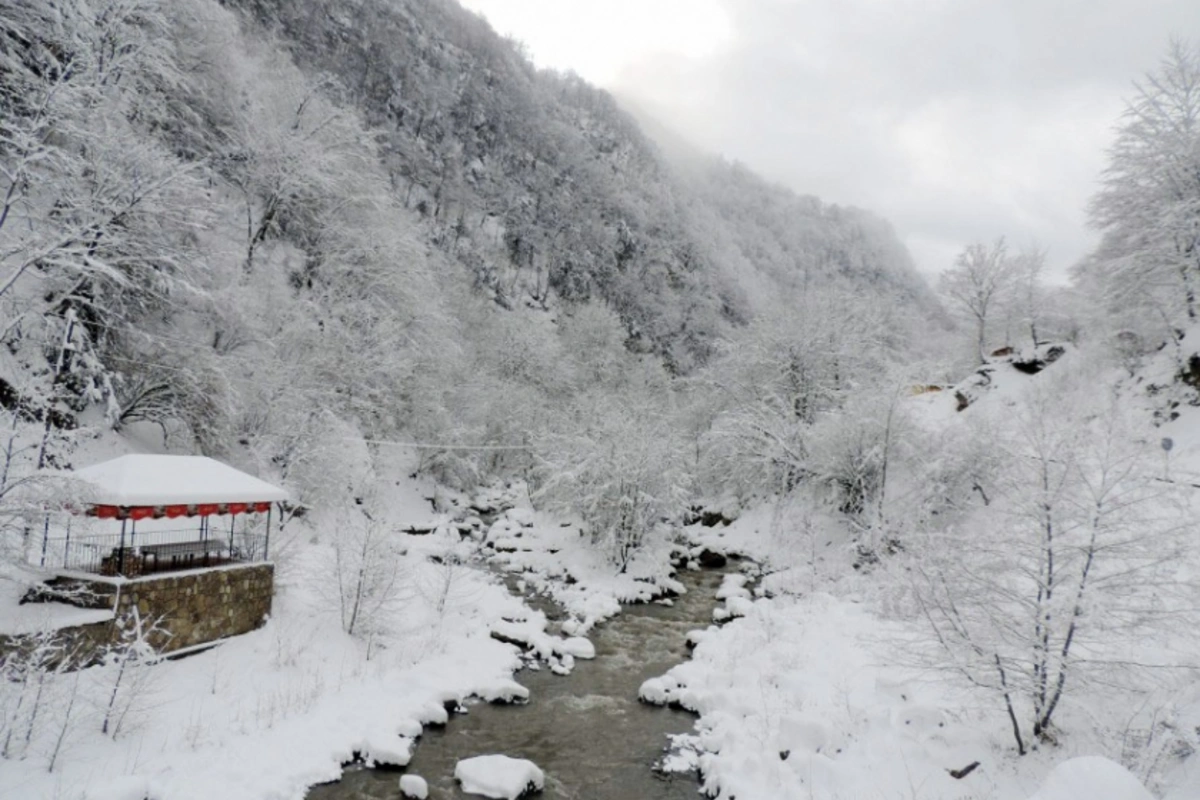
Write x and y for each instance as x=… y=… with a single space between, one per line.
x=172 y=512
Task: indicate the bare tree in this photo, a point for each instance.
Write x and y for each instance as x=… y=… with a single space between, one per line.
x=1029 y=290
x=130 y=659
x=977 y=284
x=367 y=573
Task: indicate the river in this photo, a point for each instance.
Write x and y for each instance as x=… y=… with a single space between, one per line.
x=587 y=730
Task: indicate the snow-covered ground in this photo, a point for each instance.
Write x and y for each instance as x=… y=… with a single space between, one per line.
x=269 y=713
x=810 y=691
x=803 y=690
x=265 y=715
x=29 y=618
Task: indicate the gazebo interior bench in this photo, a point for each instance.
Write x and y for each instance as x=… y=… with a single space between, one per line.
x=183 y=550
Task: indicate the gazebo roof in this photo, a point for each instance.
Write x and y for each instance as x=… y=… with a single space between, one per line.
x=157 y=480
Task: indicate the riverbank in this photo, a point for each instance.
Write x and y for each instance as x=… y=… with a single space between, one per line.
x=800 y=691
x=266 y=715
x=586 y=730
x=814 y=689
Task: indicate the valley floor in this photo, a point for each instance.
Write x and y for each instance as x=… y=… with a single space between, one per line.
x=801 y=692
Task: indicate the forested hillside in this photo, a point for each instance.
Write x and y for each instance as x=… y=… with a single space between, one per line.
x=491 y=153
x=284 y=226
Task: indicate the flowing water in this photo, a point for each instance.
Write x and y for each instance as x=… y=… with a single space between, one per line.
x=587 y=730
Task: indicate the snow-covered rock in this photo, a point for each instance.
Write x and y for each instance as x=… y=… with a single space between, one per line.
x=413 y=787
x=1091 y=778
x=499 y=777
x=654 y=691
x=409 y=727
x=504 y=691
x=531 y=634
x=521 y=516
x=503 y=529
x=733 y=585
x=433 y=714
x=739 y=606
x=576 y=646
x=386 y=749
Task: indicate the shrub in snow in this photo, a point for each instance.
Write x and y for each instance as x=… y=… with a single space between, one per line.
x=499 y=777
x=130 y=660
x=365 y=579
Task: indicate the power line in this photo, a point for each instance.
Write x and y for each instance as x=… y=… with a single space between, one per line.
x=436 y=446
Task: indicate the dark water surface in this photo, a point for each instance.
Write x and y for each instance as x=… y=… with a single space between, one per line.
x=586 y=730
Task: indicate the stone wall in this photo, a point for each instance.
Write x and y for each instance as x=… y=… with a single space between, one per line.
x=188 y=608
x=201 y=606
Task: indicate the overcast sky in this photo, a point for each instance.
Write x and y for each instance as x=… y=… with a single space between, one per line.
x=957 y=120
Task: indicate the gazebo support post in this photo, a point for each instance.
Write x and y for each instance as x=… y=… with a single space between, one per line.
x=267 y=541
x=46 y=536
x=67 y=543
x=121 y=551
x=132 y=540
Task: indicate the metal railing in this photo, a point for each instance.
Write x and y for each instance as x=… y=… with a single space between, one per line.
x=147 y=552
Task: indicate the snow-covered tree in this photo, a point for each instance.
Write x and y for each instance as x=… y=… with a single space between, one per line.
x=1072 y=562
x=618 y=463
x=1148 y=207
x=780 y=376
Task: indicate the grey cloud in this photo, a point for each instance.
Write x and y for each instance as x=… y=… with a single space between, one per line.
x=956 y=119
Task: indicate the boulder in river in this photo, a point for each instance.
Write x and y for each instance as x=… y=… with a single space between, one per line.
x=499 y=777
x=413 y=787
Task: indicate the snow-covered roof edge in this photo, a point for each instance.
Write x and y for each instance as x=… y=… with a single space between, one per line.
x=159 y=480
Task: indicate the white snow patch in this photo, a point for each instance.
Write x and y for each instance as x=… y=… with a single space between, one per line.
x=1091 y=778
x=34 y=617
x=129 y=787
